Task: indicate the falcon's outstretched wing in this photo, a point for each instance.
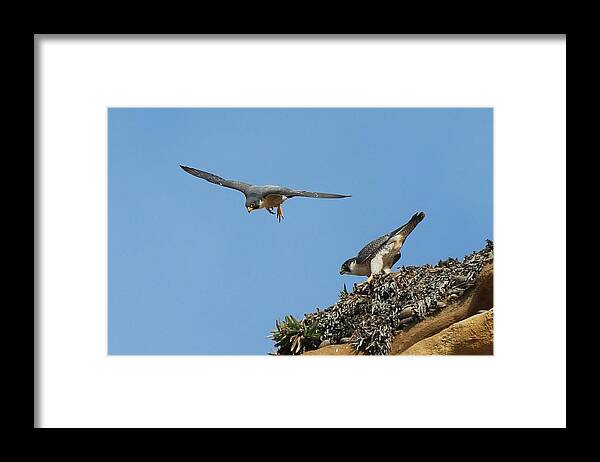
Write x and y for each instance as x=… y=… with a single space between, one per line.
x=294 y=193
x=233 y=184
x=319 y=195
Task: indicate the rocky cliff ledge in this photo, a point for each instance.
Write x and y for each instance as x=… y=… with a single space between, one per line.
x=444 y=309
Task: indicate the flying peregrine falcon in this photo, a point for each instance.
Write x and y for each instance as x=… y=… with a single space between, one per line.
x=261 y=197
x=382 y=253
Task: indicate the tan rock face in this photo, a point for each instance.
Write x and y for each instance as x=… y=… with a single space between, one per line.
x=472 y=336
x=333 y=350
x=480 y=298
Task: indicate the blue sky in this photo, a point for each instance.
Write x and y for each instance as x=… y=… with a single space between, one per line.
x=192 y=272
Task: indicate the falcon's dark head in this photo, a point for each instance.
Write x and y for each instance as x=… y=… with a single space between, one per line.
x=252 y=205
x=345 y=269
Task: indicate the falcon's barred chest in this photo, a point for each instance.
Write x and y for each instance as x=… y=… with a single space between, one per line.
x=272 y=200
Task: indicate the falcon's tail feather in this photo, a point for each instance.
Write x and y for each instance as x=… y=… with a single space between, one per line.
x=407 y=228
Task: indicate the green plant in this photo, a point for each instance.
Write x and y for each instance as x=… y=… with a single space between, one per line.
x=294 y=337
x=343 y=293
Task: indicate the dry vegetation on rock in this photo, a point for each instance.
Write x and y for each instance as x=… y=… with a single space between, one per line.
x=398 y=310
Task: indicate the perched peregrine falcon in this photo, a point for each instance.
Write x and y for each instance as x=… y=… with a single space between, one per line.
x=261 y=197
x=382 y=253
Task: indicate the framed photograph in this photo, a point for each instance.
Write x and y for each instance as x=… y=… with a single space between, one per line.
x=226 y=223
x=171 y=237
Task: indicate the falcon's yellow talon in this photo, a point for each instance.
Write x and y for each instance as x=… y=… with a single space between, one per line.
x=279 y=213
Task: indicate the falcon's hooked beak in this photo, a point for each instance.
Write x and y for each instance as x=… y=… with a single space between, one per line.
x=249 y=209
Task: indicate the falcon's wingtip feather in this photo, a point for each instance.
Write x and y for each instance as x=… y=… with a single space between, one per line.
x=190 y=170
